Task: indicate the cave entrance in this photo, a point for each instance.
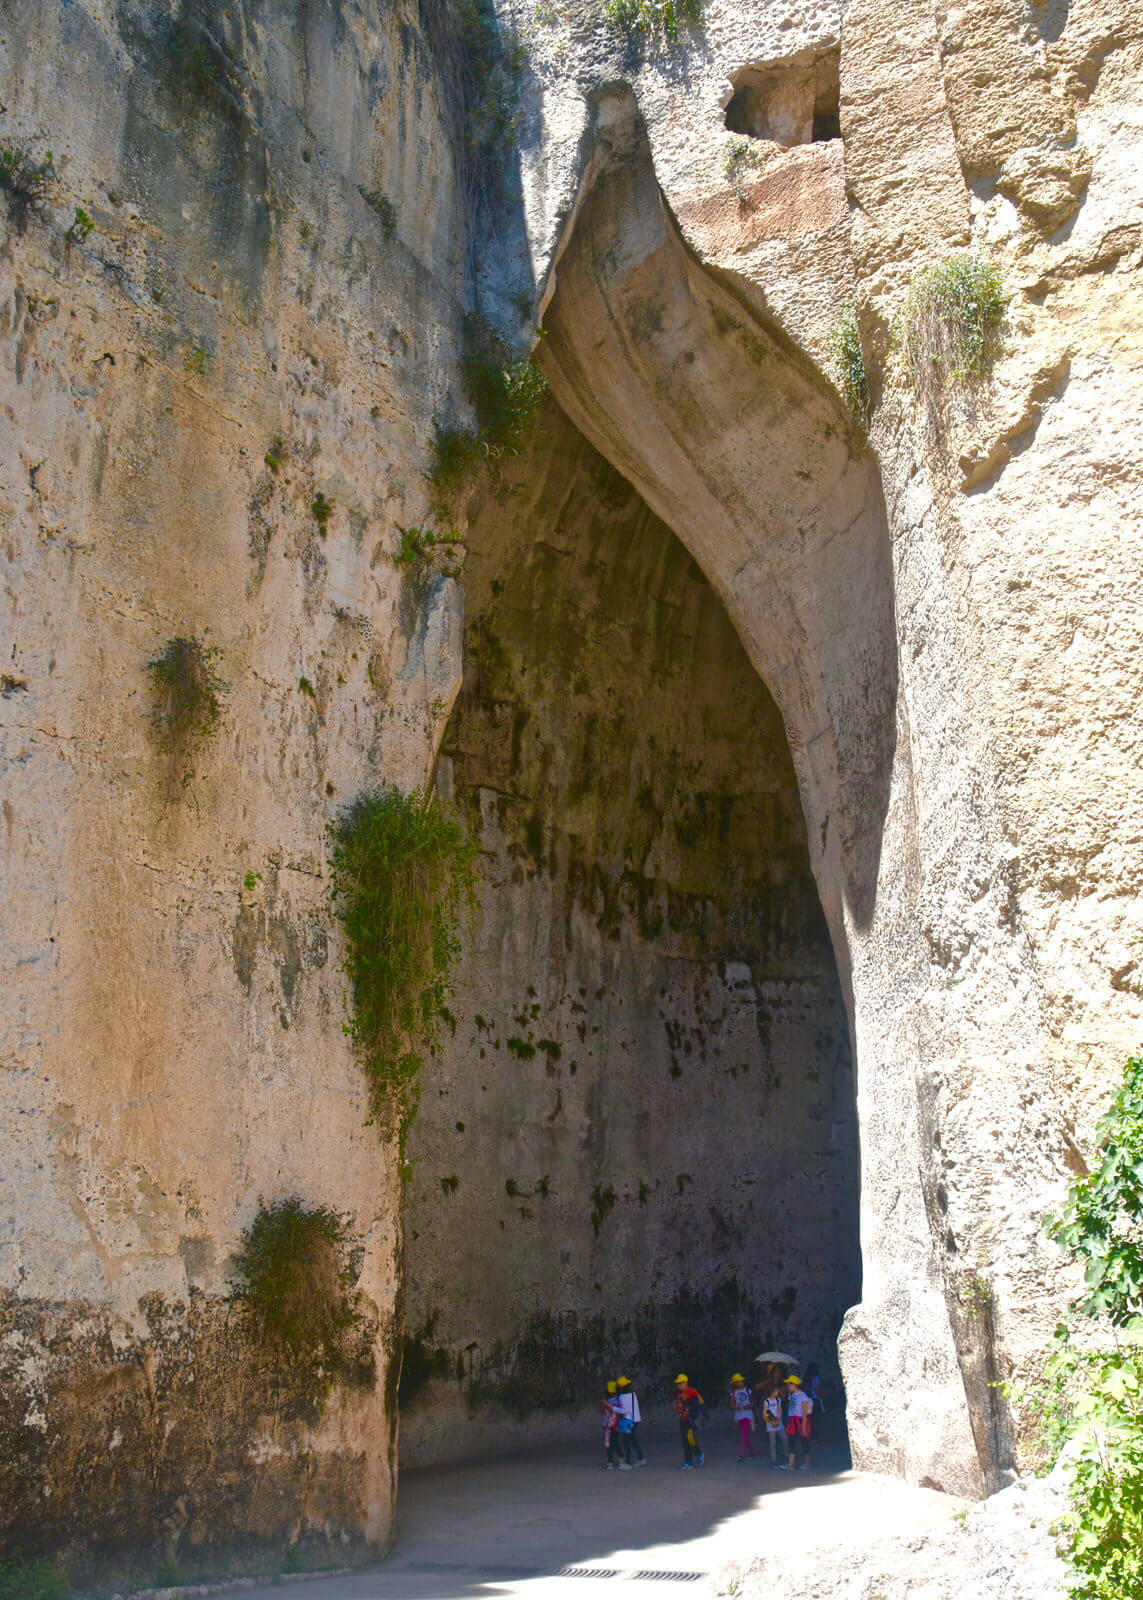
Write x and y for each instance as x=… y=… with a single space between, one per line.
x=638 y=1150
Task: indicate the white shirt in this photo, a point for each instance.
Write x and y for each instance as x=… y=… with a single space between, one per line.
x=742 y=1406
x=800 y=1404
x=627 y=1405
x=772 y=1407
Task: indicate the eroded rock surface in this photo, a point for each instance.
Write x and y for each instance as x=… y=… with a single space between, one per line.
x=267 y=318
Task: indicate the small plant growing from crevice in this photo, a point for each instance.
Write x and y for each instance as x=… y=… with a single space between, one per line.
x=652 y=16
x=24 y=181
x=948 y=332
x=320 y=509
x=419 y=548
x=187 y=698
x=294 y=1276
x=195 y=358
x=402 y=870
x=736 y=168
x=847 y=364
x=81 y=227
x=382 y=208
x=276 y=454
x=199 y=68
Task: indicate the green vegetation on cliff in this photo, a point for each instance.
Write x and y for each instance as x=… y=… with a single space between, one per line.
x=402 y=871
x=652 y=16
x=847 y=361
x=186 y=701
x=948 y=330
x=295 y=1277
x=1095 y=1386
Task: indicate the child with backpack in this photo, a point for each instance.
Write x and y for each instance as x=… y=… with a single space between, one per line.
x=688 y=1408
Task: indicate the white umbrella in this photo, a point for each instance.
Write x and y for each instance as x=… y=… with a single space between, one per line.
x=778 y=1357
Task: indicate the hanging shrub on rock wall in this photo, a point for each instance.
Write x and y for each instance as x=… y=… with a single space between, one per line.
x=402 y=871
x=947 y=333
x=295 y=1276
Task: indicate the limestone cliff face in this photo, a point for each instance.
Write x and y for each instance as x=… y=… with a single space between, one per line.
x=945 y=615
x=239 y=335
x=266 y=319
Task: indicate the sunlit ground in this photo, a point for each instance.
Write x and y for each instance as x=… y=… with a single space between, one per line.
x=516 y=1526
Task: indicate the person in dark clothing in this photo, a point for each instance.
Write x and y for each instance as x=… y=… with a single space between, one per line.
x=688 y=1407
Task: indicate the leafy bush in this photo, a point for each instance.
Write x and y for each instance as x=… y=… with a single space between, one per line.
x=31 y=1578
x=652 y=16
x=847 y=362
x=402 y=870
x=187 y=696
x=505 y=392
x=24 y=181
x=1096 y=1394
x=294 y=1275
x=735 y=167
x=948 y=330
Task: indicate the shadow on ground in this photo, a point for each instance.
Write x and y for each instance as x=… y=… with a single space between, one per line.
x=548 y=1522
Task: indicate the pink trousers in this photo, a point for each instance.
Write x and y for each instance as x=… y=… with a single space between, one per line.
x=745 y=1448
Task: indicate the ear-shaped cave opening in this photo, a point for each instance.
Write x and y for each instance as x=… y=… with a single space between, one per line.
x=793 y=100
x=638 y=1150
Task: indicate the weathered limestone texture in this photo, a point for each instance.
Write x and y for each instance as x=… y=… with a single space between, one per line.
x=947 y=618
x=238 y=336
x=217 y=413
x=639 y=1149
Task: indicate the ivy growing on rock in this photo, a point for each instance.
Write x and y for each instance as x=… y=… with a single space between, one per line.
x=505 y=393
x=403 y=869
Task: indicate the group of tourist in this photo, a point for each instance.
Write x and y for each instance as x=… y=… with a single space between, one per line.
x=778 y=1406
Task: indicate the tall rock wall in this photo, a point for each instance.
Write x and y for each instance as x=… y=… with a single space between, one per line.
x=241 y=336
x=267 y=319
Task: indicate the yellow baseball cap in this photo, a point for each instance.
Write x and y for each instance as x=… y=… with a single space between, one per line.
x=682 y=1378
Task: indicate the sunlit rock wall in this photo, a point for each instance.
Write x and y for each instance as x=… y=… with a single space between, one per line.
x=238 y=335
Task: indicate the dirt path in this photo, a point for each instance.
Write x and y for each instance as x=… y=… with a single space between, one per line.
x=551 y=1525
